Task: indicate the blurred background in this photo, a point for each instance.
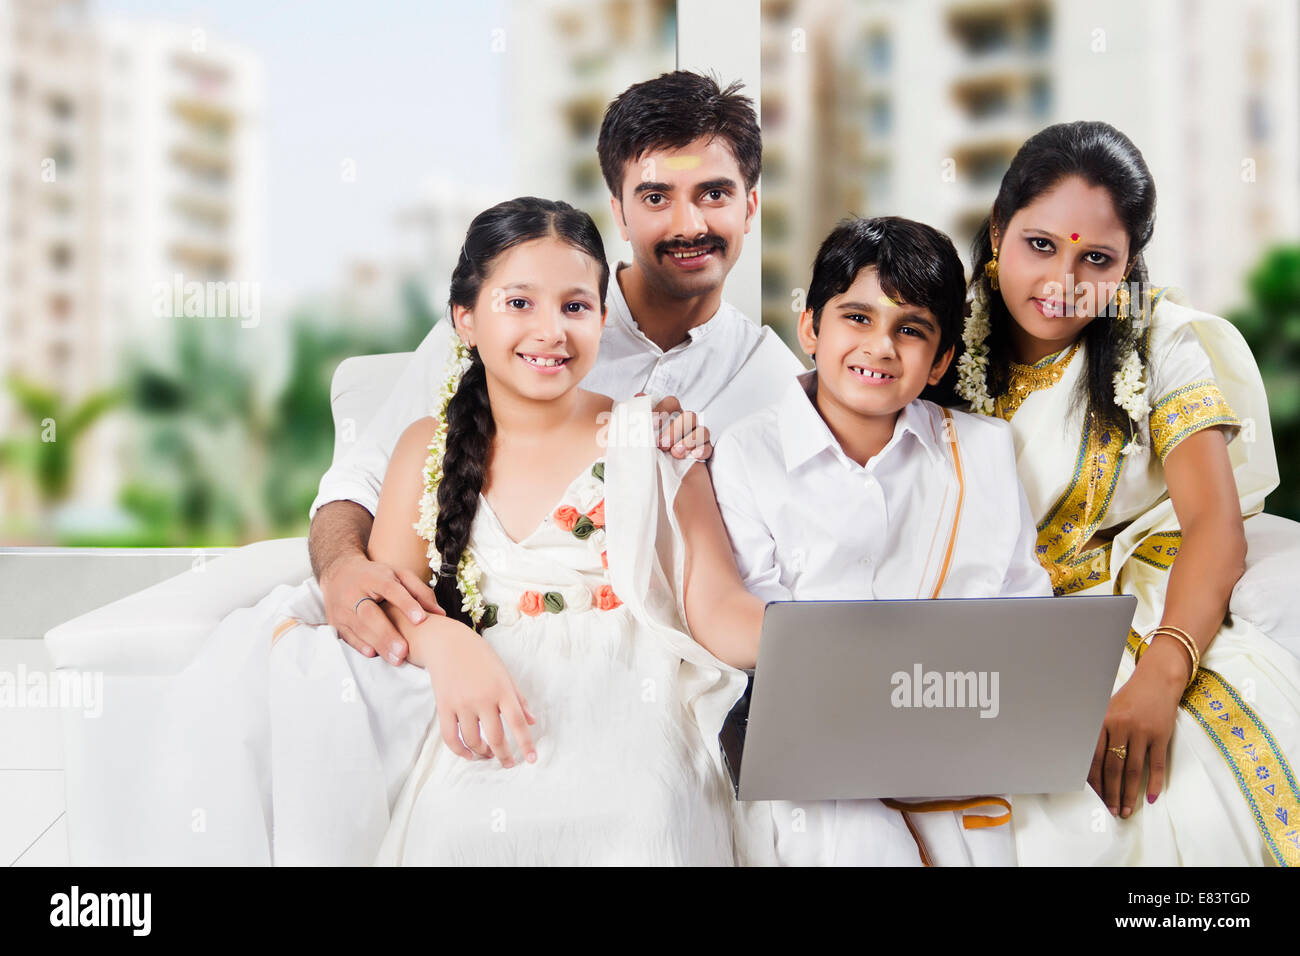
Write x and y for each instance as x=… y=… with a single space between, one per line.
x=206 y=207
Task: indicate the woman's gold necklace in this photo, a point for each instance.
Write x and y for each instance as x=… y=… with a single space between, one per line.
x=1026 y=379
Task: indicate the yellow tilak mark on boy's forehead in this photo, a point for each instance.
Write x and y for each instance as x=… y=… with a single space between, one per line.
x=682 y=162
x=886 y=301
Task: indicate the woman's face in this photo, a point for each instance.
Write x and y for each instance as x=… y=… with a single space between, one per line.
x=537 y=320
x=1059 y=261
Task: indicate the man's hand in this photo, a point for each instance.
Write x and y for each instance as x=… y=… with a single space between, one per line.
x=365 y=626
x=682 y=434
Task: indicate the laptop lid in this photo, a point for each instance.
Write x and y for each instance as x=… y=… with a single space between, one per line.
x=927 y=698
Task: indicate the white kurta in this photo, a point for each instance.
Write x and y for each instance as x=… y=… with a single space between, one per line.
x=1230 y=796
x=806 y=522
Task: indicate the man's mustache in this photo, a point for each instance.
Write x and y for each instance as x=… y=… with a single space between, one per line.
x=708 y=242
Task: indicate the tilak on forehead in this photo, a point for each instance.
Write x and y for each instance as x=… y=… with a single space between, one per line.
x=681 y=162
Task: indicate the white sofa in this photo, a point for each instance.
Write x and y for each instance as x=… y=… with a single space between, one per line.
x=157 y=631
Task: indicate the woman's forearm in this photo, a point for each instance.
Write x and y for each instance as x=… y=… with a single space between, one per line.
x=1211 y=559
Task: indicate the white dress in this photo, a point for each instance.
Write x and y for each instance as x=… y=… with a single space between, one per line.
x=1230 y=795
x=618 y=778
x=628 y=706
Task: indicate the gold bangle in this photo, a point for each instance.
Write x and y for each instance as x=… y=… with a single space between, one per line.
x=1187 y=642
x=1183 y=638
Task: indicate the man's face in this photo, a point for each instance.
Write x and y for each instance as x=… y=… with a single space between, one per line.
x=685 y=211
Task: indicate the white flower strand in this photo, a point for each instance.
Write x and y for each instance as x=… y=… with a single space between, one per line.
x=468 y=572
x=972 y=370
x=1130 y=395
x=973 y=366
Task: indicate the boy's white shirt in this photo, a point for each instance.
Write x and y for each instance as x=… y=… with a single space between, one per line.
x=727 y=367
x=809 y=523
x=806 y=522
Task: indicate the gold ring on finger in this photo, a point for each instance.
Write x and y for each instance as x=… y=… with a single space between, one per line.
x=1121 y=751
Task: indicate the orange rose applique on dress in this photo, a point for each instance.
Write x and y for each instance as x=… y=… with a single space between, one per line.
x=604 y=559
x=566 y=516
x=531 y=603
x=606 y=599
x=597 y=514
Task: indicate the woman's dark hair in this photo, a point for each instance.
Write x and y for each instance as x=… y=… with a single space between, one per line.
x=1101 y=156
x=470 y=426
x=917 y=264
x=672 y=110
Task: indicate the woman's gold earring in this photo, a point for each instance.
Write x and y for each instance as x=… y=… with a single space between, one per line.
x=1122 y=301
x=991 y=270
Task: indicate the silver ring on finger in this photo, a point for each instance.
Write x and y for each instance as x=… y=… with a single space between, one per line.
x=358 y=604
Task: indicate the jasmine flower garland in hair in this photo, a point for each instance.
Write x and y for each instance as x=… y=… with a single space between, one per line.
x=973 y=366
x=1130 y=393
x=467 y=571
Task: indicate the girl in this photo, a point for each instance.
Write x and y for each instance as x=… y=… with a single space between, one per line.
x=1142 y=439
x=576 y=722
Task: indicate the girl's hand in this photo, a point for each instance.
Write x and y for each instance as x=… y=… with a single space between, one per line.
x=474 y=693
x=1140 y=718
x=681 y=434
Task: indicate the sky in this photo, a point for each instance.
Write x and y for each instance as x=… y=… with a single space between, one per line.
x=402 y=89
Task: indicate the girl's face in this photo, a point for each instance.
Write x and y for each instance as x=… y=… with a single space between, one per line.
x=537 y=320
x=1059 y=260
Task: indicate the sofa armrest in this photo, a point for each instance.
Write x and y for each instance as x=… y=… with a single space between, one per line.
x=159 y=630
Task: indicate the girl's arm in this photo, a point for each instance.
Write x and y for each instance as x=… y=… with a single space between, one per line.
x=722 y=615
x=393 y=539
x=472 y=688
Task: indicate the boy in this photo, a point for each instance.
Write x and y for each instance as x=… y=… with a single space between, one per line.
x=851 y=486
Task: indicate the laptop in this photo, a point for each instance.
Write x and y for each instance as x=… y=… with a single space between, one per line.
x=926 y=699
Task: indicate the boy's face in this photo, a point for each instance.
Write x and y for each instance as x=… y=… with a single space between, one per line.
x=686 y=212
x=873 y=355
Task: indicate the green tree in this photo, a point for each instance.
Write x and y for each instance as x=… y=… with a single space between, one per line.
x=47 y=451
x=1270 y=324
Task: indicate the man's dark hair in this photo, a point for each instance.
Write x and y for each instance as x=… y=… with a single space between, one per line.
x=917 y=265
x=672 y=110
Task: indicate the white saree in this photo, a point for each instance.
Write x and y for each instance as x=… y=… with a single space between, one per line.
x=1230 y=796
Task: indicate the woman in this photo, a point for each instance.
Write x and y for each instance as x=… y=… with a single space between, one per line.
x=1142 y=439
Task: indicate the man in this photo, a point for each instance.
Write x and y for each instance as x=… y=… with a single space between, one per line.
x=681 y=157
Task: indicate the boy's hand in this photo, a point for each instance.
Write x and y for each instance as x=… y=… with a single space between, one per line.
x=682 y=435
x=363 y=623
x=474 y=692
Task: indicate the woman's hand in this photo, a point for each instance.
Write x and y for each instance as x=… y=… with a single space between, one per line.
x=1140 y=720
x=475 y=693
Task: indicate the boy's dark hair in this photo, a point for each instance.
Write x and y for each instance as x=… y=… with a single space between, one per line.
x=672 y=110
x=917 y=264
